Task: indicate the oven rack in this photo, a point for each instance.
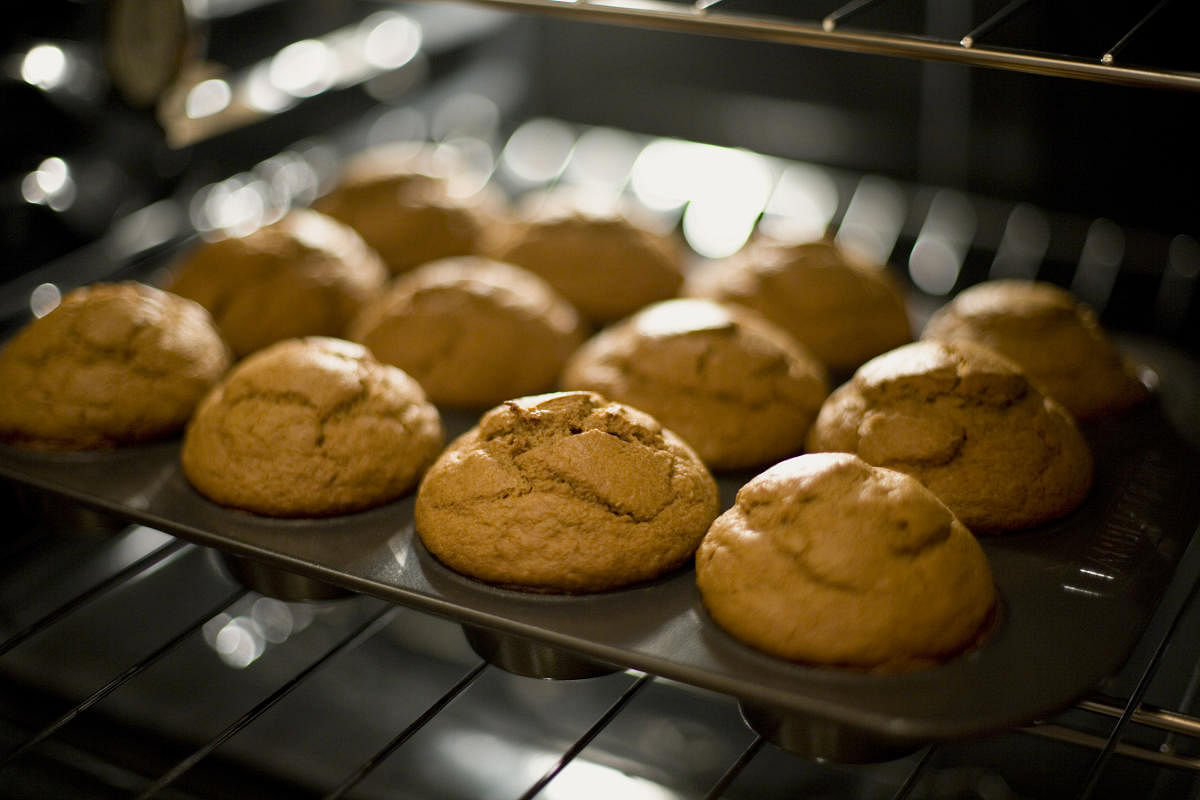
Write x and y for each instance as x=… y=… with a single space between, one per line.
x=129 y=560
x=837 y=28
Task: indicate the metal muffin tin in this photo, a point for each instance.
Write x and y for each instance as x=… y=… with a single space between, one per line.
x=1075 y=595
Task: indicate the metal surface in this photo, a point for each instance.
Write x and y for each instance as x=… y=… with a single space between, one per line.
x=827 y=33
x=1075 y=594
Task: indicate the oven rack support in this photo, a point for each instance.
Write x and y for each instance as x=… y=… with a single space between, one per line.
x=835 y=31
x=1130 y=711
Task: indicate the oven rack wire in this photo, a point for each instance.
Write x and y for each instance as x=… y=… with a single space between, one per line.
x=838 y=29
x=157 y=550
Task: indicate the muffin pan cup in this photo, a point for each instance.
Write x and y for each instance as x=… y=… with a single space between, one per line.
x=1076 y=594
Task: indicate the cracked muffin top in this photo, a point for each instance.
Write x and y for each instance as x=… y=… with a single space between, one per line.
x=969 y=424
x=1052 y=335
x=736 y=387
x=114 y=364
x=843 y=309
x=311 y=427
x=305 y=275
x=825 y=559
x=472 y=331
x=565 y=492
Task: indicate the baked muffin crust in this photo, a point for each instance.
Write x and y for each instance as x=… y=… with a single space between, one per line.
x=737 y=388
x=565 y=492
x=472 y=331
x=1054 y=337
x=603 y=264
x=305 y=275
x=969 y=425
x=400 y=200
x=113 y=364
x=311 y=427
x=827 y=560
x=842 y=309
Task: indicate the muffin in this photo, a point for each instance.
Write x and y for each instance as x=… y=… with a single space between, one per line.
x=842 y=309
x=114 y=364
x=1052 y=335
x=967 y=423
x=827 y=560
x=404 y=202
x=605 y=265
x=736 y=387
x=565 y=492
x=305 y=275
x=308 y=428
x=471 y=331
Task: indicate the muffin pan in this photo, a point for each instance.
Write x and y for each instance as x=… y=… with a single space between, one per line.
x=1075 y=595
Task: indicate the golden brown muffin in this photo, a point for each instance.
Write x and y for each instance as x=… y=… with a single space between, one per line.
x=1052 y=335
x=565 y=492
x=968 y=424
x=305 y=275
x=311 y=427
x=737 y=388
x=827 y=560
x=606 y=266
x=842 y=309
x=472 y=331
x=113 y=364
x=402 y=201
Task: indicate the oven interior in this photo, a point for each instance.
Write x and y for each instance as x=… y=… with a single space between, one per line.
x=133 y=663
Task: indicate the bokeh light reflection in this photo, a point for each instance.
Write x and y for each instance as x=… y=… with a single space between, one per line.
x=240 y=640
x=391 y=40
x=304 y=69
x=44 y=298
x=941 y=247
x=44 y=66
x=207 y=98
x=724 y=190
x=801 y=206
x=51 y=184
x=537 y=152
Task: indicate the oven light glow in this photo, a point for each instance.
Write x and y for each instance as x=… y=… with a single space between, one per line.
x=262 y=95
x=50 y=185
x=241 y=640
x=670 y=173
x=208 y=98
x=662 y=174
x=1099 y=263
x=725 y=190
x=941 y=247
x=1080 y=590
x=603 y=157
x=586 y=780
x=235 y=206
x=537 y=152
x=1096 y=574
x=873 y=219
x=44 y=299
x=391 y=42
x=475 y=757
x=1023 y=245
x=44 y=66
x=304 y=69
x=718 y=228
x=801 y=206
